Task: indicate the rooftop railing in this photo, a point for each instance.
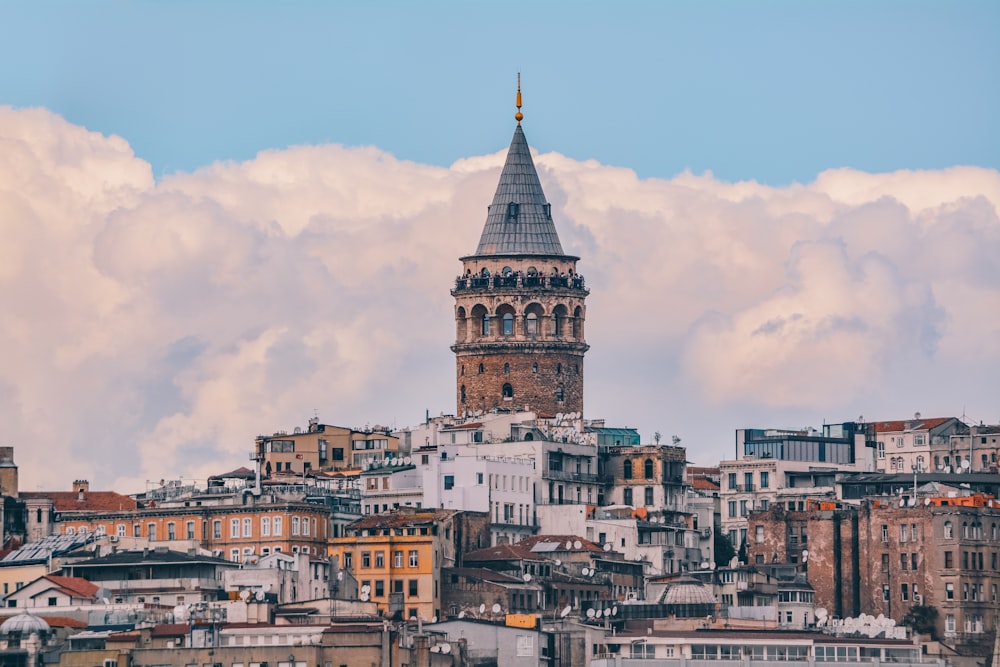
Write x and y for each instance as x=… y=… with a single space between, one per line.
x=463 y=283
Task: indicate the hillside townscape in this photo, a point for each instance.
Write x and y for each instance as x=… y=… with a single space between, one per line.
x=513 y=530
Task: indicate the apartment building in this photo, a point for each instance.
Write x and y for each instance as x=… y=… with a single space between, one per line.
x=397 y=557
x=891 y=554
x=788 y=468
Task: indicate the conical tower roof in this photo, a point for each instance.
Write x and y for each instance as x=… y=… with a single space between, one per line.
x=519 y=221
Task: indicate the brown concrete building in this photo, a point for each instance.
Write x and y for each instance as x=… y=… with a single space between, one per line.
x=322 y=447
x=519 y=304
x=886 y=556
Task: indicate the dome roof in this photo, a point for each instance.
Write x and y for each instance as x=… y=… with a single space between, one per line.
x=688 y=598
x=24 y=624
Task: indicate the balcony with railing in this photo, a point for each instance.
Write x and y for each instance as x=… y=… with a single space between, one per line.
x=515 y=281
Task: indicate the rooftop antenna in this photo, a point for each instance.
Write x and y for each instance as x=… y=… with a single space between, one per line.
x=518 y=116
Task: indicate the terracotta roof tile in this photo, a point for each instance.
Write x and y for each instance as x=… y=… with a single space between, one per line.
x=76 y=586
x=900 y=424
x=704 y=484
x=93 y=501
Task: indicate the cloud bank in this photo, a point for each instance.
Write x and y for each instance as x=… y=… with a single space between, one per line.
x=151 y=329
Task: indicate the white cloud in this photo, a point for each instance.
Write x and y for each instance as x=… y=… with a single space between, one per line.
x=153 y=329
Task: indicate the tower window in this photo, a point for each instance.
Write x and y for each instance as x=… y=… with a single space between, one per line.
x=548 y=211
x=512 y=210
x=508 y=391
x=506 y=368
x=463 y=393
x=534 y=367
x=558 y=369
x=560 y=393
x=481 y=369
x=531 y=324
x=508 y=324
x=486 y=325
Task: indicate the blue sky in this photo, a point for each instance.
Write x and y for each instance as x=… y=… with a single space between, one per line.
x=771 y=91
x=219 y=217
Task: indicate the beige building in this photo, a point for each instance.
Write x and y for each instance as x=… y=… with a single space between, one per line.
x=322 y=447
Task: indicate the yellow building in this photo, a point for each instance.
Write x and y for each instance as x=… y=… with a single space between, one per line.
x=397 y=557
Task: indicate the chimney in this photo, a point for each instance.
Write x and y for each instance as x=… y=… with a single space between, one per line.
x=81 y=486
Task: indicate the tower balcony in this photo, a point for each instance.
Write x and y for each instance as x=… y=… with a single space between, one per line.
x=514 y=281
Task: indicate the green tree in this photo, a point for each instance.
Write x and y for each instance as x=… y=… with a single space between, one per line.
x=922 y=619
x=724 y=550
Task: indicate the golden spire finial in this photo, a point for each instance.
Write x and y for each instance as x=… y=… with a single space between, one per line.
x=518 y=116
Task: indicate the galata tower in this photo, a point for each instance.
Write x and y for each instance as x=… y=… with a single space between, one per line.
x=519 y=303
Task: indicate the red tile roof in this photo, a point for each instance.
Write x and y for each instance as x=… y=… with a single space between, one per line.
x=704 y=484
x=74 y=586
x=503 y=552
x=93 y=501
x=901 y=424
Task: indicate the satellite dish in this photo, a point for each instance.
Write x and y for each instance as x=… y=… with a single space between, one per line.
x=364 y=597
x=259 y=596
x=366 y=589
x=482 y=608
x=927 y=501
x=569 y=544
x=591 y=613
x=614 y=611
x=495 y=609
x=266 y=587
x=965 y=464
x=461 y=614
x=821 y=612
x=607 y=546
x=408 y=460
x=435 y=649
x=446 y=648
x=244 y=595
x=340 y=575
x=558 y=562
x=565 y=612
x=527 y=577
x=578 y=544
x=607 y=612
x=585 y=571
x=434 y=619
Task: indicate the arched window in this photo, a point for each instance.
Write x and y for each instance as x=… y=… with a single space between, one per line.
x=558 y=369
x=576 y=368
x=486 y=325
x=534 y=367
x=506 y=271
x=485 y=273
x=627 y=469
x=506 y=368
x=481 y=369
x=647 y=469
x=463 y=393
x=560 y=393
x=531 y=324
x=463 y=371
x=949 y=530
x=508 y=324
x=508 y=391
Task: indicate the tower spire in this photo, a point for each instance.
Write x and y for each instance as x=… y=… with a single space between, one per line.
x=518 y=116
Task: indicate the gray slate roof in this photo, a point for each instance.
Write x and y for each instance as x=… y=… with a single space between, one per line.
x=531 y=231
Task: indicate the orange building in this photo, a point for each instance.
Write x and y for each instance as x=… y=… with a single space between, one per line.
x=237 y=526
x=397 y=557
x=323 y=447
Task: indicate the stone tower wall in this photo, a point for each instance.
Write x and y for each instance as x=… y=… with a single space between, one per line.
x=535 y=389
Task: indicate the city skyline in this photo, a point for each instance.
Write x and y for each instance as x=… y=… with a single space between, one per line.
x=171 y=289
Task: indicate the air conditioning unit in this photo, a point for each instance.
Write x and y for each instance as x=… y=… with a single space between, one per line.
x=112 y=538
x=917 y=598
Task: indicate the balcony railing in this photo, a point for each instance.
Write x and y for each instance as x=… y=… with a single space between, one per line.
x=565 y=476
x=514 y=281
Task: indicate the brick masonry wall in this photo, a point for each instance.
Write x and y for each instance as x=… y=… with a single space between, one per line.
x=484 y=391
